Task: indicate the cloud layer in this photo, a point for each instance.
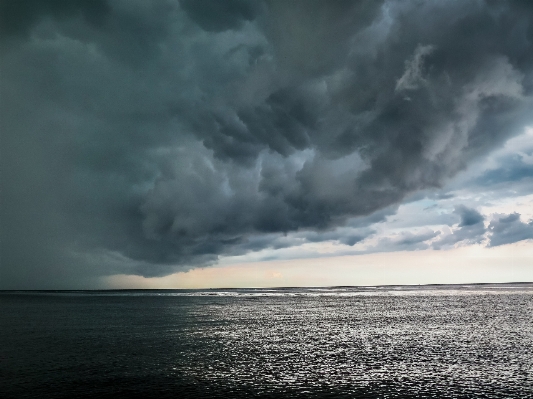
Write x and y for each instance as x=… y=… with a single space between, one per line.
x=147 y=137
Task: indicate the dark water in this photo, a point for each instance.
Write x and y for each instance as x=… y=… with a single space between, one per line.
x=388 y=342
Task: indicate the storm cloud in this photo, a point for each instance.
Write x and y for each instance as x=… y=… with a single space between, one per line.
x=506 y=229
x=151 y=137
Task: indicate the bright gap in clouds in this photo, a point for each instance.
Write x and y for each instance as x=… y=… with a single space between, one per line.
x=511 y=263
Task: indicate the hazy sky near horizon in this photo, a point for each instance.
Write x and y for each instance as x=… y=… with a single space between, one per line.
x=201 y=143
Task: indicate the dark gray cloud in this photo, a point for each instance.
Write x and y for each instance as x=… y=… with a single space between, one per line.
x=469 y=216
x=18 y=17
x=507 y=229
x=216 y=16
x=470 y=229
x=512 y=170
x=145 y=137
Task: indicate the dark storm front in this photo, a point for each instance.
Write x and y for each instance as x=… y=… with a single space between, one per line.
x=447 y=341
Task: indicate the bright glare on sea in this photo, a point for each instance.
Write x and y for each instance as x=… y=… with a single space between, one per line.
x=375 y=342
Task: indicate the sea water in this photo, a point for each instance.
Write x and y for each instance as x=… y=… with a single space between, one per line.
x=466 y=341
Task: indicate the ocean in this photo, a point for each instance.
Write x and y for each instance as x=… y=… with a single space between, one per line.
x=456 y=341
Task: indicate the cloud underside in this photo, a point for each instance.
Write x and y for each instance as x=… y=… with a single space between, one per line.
x=148 y=137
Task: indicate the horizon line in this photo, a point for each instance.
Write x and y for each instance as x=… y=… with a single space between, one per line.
x=264 y=288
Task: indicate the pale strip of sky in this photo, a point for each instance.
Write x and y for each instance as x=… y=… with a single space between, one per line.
x=471 y=264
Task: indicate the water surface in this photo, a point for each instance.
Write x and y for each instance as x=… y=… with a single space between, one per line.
x=369 y=342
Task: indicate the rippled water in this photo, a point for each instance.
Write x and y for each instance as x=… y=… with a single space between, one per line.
x=382 y=342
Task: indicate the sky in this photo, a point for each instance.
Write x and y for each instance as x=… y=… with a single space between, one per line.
x=236 y=143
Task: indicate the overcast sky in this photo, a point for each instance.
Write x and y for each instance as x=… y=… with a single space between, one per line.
x=196 y=142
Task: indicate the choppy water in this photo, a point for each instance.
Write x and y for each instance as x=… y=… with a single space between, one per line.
x=382 y=342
